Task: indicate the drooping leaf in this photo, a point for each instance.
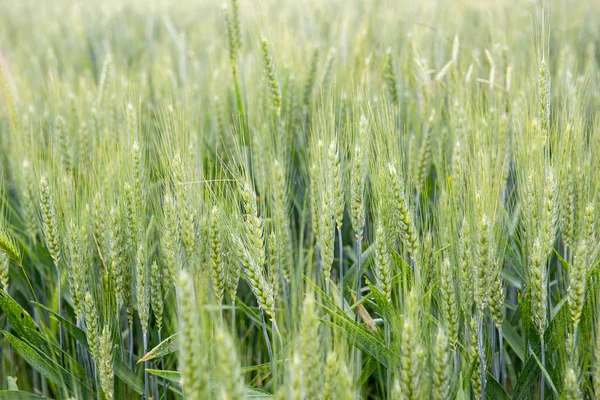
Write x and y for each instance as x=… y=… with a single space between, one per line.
x=21 y=322
x=71 y=328
x=34 y=359
x=122 y=371
x=167 y=346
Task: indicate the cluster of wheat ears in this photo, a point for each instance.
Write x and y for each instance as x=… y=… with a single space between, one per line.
x=299 y=200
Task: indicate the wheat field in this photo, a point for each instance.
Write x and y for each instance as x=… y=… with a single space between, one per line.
x=299 y=200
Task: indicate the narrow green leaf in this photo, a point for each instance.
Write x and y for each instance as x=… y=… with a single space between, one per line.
x=529 y=333
x=365 y=340
x=21 y=322
x=71 y=328
x=558 y=307
x=34 y=359
x=461 y=395
x=515 y=259
x=360 y=337
x=547 y=375
x=513 y=339
x=121 y=370
x=406 y=269
x=249 y=312
x=173 y=376
x=367 y=371
x=494 y=390
x=528 y=379
x=128 y=376
x=167 y=346
x=511 y=278
x=554 y=336
x=76 y=370
x=562 y=261
x=259 y=367
x=387 y=311
x=252 y=393
x=19 y=395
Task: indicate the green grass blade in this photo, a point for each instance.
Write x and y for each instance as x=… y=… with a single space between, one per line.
x=34 y=359
x=166 y=347
x=19 y=395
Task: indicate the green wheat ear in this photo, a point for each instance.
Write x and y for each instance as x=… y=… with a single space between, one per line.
x=310 y=80
x=216 y=262
x=442 y=366
x=4 y=270
x=406 y=226
x=309 y=348
x=228 y=367
x=382 y=270
x=9 y=246
x=49 y=220
x=271 y=77
x=389 y=76
x=105 y=363
x=9 y=93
